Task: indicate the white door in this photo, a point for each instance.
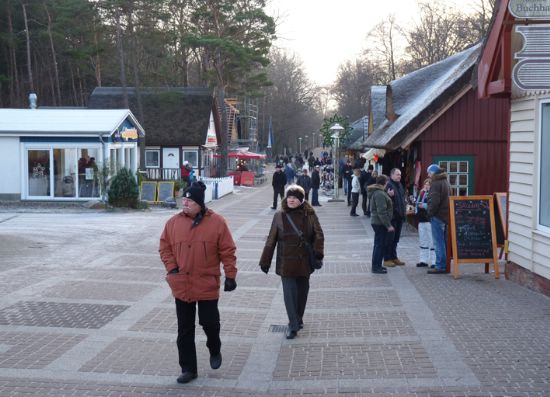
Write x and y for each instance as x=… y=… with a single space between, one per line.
x=171 y=158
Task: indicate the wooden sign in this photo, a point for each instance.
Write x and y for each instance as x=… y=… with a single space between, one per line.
x=473 y=234
x=165 y=190
x=148 y=191
x=501 y=219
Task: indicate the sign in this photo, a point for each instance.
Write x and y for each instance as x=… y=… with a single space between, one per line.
x=501 y=218
x=165 y=190
x=89 y=174
x=211 y=139
x=148 y=191
x=530 y=9
x=531 y=71
x=129 y=133
x=473 y=235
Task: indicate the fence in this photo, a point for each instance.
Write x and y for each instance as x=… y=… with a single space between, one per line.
x=218 y=186
x=163 y=174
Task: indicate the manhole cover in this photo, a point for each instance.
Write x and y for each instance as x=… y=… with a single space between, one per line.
x=277 y=328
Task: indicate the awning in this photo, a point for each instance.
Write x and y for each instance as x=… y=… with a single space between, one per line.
x=244 y=154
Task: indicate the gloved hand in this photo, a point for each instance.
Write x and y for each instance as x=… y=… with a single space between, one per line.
x=174 y=270
x=265 y=268
x=230 y=284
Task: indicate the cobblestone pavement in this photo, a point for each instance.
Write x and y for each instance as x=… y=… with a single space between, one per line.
x=85 y=311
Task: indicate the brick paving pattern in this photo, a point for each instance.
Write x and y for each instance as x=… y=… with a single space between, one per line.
x=99 y=319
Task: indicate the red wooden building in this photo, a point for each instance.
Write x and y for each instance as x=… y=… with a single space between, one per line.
x=433 y=115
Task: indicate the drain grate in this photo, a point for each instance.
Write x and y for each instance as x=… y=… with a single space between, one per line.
x=277 y=328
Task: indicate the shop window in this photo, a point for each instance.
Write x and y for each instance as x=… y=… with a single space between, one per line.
x=152 y=158
x=544 y=168
x=192 y=156
x=88 y=173
x=460 y=172
x=38 y=166
x=64 y=172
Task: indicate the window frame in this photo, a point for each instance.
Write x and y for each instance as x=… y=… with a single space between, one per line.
x=158 y=158
x=190 y=150
x=471 y=168
x=543 y=228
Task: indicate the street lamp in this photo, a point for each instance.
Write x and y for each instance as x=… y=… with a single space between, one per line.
x=300 y=144
x=336 y=131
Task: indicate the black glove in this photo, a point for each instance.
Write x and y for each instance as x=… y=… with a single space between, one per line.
x=174 y=270
x=265 y=269
x=230 y=284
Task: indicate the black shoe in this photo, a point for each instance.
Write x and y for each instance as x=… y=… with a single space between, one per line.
x=353 y=215
x=437 y=271
x=273 y=208
x=216 y=361
x=380 y=271
x=187 y=377
x=291 y=334
x=421 y=264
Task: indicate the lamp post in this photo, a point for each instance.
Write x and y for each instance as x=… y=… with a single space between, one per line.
x=300 y=144
x=336 y=131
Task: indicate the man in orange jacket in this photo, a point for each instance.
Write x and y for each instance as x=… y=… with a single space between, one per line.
x=191 y=247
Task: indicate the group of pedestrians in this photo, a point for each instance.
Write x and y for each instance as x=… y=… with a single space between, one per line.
x=195 y=241
x=388 y=213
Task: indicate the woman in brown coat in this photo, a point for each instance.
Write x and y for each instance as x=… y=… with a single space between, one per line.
x=292 y=262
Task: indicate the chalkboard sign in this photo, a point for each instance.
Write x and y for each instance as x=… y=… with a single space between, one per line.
x=473 y=234
x=148 y=191
x=501 y=218
x=165 y=190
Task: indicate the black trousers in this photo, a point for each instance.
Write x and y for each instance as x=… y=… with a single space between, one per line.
x=295 y=290
x=209 y=318
x=354 y=202
x=391 y=248
x=364 y=203
x=280 y=192
x=382 y=238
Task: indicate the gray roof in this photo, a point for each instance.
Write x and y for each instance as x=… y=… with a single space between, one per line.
x=172 y=116
x=378 y=105
x=419 y=95
x=359 y=130
x=63 y=122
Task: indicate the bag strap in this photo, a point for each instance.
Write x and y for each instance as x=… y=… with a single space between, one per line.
x=299 y=233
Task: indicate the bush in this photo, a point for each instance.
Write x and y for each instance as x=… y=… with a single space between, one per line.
x=123 y=190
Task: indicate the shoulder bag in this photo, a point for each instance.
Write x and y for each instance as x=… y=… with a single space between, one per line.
x=314 y=263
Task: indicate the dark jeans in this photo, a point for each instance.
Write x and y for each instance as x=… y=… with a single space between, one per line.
x=314 y=196
x=391 y=249
x=354 y=202
x=280 y=192
x=209 y=318
x=348 y=184
x=364 y=203
x=295 y=290
x=307 y=195
x=381 y=240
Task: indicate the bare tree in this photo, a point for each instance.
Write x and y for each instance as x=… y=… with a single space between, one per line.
x=382 y=45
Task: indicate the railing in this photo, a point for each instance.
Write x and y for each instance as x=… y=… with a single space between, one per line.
x=163 y=174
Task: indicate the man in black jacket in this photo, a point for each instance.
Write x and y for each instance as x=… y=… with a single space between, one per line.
x=278 y=183
x=366 y=180
x=396 y=192
x=315 y=185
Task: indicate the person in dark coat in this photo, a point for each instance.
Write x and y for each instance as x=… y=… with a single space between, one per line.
x=396 y=191
x=305 y=182
x=366 y=180
x=438 y=212
x=347 y=174
x=381 y=215
x=292 y=262
x=278 y=183
x=315 y=185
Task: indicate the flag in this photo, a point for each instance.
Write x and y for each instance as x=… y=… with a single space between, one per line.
x=270 y=135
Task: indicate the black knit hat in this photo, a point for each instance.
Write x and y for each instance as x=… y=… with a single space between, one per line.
x=296 y=191
x=195 y=192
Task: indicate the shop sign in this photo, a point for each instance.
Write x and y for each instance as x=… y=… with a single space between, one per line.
x=532 y=72
x=530 y=9
x=211 y=139
x=129 y=133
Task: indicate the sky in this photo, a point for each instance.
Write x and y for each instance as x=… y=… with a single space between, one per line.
x=326 y=33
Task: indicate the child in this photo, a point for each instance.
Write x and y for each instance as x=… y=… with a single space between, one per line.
x=355 y=190
x=427 y=255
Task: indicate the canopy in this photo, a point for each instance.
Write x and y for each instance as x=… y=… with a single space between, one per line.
x=244 y=154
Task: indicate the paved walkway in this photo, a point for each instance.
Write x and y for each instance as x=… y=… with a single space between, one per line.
x=85 y=311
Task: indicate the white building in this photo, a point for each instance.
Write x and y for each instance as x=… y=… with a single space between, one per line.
x=59 y=154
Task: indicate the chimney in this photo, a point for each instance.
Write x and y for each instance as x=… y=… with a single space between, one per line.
x=32 y=100
x=390 y=113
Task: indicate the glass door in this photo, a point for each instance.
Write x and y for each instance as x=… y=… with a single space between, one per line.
x=38 y=173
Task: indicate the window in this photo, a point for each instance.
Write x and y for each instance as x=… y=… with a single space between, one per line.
x=38 y=168
x=192 y=156
x=152 y=158
x=460 y=171
x=544 y=170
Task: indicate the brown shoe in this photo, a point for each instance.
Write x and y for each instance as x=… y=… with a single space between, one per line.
x=398 y=262
x=389 y=263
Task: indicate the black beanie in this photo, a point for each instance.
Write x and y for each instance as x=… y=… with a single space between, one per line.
x=195 y=192
x=296 y=191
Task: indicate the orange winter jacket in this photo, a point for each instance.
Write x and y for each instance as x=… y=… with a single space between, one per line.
x=197 y=253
